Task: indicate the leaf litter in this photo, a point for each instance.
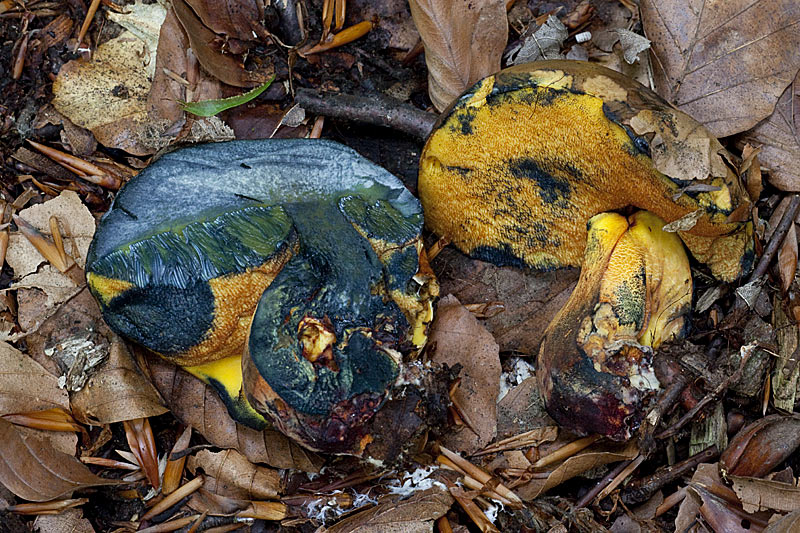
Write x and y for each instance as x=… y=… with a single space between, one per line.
x=205 y=52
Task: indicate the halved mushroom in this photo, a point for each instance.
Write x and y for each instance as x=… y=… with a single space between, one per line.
x=519 y=165
x=322 y=246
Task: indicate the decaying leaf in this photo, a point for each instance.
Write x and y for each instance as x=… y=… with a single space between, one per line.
x=396 y=515
x=69 y=521
x=33 y=470
x=787 y=524
x=76 y=224
x=577 y=465
x=25 y=386
x=463 y=39
x=764 y=494
x=108 y=94
x=229 y=473
x=459 y=338
x=144 y=20
x=680 y=148
x=531 y=299
x=709 y=57
x=779 y=138
x=117 y=391
x=224 y=66
x=199 y=406
x=761 y=446
x=544 y=43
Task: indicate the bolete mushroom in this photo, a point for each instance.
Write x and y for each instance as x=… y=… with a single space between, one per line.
x=514 y=173
x=299 y=255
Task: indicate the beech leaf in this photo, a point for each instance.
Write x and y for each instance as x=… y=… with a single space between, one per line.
x=33 y=470
x=463 y=40
x=724 y=63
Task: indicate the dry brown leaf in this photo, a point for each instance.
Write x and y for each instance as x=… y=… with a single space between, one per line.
x=577 y=465
x=69 y=521
x=779 y=138
x=107 y=94
x=459 y=338
x=77 y=227
x=763 y=494
x=724 y=63
x=33 y=470
x=395 y=515
x=464 y=40
x=224 y=66
x=232 y=20
x=706 y=475
x=680 y=148
x=521 y=410
x=230 y=474
x=25 y=385
x=117 y=391
x=787 y=258
x=199 y=406
x=531 y=299
x=761 y=446
x=787 y=524
x=719 y=514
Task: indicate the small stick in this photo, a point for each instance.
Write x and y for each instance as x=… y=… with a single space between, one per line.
x=746 y=352
x=173 y=498
x=671 y=501
x=608 y=478
x=479 y=474
x=775 y=242
x=565 y=451
x=640 y=490
x=627 y=471
x=376 y=109
x=87 y=21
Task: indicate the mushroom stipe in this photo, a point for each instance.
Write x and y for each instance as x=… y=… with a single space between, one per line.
x=285 y=273
x=520 y=170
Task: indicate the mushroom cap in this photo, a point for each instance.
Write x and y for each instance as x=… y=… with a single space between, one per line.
x=209 y=236
x=520 y=162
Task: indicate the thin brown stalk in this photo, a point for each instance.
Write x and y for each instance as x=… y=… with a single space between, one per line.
x=565 y=451
x=185 y=490
x=87 y=22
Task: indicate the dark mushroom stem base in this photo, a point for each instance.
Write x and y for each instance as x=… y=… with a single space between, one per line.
x=322 y=246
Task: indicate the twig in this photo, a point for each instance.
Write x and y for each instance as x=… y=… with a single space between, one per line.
x=640 y=490
x=376 y=109
x=603 y=483
x=777 y=239
x=746 y=352
x=671 y=501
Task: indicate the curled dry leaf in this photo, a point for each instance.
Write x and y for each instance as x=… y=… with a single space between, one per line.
x=779 y=138
x=411 y=515
x=197 y=405
x=33 y=470
x=761 y=446
x=229 y=473
x=25 y=385
x=224 y=66
x=463 y=40
x=234 y=21
x=577 y=465
x=724 y=63
x=459 y=338
x=117 y=391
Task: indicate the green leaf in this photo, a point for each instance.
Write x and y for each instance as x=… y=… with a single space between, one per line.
x=209 y=108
